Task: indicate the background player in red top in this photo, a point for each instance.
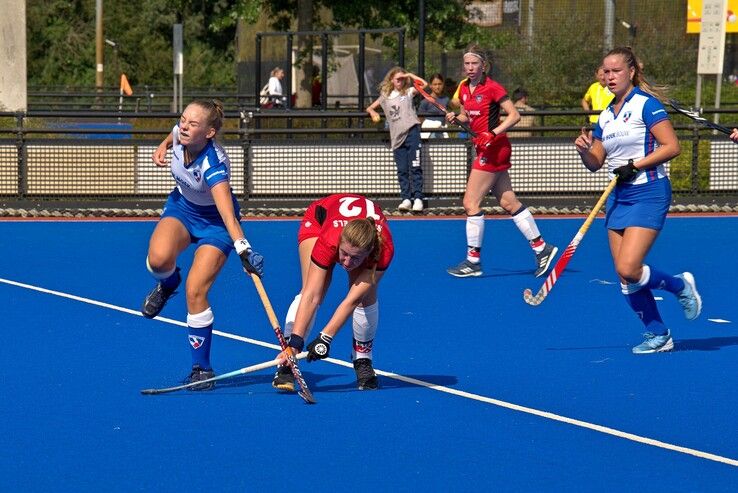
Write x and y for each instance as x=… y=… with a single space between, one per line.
x=349 y=230
x=482 y=100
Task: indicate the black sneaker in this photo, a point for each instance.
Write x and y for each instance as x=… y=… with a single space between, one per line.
x=544 y=259
x=366 y=379
x=197 y=374
x=283 y=379
x=158 y=297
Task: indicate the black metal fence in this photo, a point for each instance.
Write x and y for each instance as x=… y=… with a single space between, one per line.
x=95 y=162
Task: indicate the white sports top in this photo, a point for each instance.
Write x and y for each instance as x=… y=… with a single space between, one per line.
x=627 y=135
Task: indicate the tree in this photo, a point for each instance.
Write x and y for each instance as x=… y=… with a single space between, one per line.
x=446 y=23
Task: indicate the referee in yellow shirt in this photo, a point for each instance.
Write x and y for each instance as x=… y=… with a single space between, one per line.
x=597 y=97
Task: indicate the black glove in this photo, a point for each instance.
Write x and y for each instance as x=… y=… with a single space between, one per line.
x=319 y=348
x=627 y=173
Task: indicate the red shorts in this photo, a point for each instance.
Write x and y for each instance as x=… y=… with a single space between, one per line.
x=494 y=158
x=310 y=225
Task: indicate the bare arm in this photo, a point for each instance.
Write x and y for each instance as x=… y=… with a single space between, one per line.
x=512 y=118
x=372 y=110
x=590 y=150
x=357 y=291
x=311 y=297
x=159 y=157
x=222 y=197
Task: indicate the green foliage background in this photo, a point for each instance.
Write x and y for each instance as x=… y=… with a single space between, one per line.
x=555 y=66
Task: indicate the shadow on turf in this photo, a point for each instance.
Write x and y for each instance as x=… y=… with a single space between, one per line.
x=709 y=344
x=317 y=382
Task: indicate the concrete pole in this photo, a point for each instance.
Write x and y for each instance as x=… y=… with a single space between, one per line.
x=13 y=77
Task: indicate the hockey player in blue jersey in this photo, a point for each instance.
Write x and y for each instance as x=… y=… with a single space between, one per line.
x=201 y=210
x=636 y=138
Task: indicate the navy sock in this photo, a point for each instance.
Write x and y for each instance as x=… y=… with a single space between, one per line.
x=664 y=281
x=644 y=306
x=200 y=339
x=172 y=282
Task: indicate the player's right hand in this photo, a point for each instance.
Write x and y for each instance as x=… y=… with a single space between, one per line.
x=159 y=157
x=584 y=141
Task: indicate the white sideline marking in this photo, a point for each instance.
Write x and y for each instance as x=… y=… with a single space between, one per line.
x=421 y=383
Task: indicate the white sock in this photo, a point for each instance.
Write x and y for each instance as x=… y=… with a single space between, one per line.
x=289 y=322
x=159 y=275
x=526 y=224
x=474 y=235
x=365 y=324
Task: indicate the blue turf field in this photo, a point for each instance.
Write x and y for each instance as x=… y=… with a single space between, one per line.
x=73 y=418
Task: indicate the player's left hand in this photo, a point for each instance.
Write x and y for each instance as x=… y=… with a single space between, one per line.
x=319 y=348
x=483 y=139
x=627 y=173
x=252 y=262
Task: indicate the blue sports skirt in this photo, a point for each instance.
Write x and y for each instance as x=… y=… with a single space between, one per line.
x=644 y=205
x=203 y=222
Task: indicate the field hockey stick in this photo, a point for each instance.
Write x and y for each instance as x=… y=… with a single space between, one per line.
x=304 y=390
x=235 y=373
x=553 y=276
x=694 y=115
x=419 y=86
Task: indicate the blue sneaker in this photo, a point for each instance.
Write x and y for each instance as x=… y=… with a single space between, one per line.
x=466 y=269
x=655 y=344
x=688 y=297
x=544 y=259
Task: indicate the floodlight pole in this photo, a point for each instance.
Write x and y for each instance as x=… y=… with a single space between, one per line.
x=178 y=68
x=99 y=48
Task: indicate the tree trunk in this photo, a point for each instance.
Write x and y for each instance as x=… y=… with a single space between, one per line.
x=304 y=69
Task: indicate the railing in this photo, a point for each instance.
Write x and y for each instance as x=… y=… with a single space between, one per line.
x=284 y=159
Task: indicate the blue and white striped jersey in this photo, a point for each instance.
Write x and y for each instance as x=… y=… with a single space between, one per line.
x=627 y=135
x=209 y=168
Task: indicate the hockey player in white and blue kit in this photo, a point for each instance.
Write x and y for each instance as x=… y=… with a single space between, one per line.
x=201 y=210
x=636 y=137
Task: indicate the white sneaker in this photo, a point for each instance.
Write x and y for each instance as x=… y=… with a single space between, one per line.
x=405 y=205
x=418 y=205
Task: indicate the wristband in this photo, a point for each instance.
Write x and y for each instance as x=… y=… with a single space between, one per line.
x=296 y=342
x=241 y=245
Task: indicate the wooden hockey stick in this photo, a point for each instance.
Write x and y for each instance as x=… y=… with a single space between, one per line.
x=419 y=87
x=304 y=390
x=555 y=273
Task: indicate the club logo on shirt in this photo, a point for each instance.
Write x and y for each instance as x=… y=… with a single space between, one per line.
x=478 y=98
x=626 y=116
x=196 y=174
x=196 y=341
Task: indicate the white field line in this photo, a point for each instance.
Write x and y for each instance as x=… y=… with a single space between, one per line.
x=421 y=383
